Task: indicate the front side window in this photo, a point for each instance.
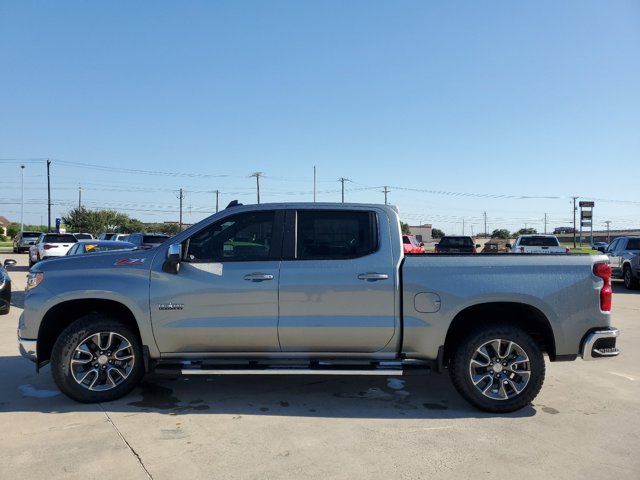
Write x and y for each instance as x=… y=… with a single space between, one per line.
x=633 y=244
x=613 y=246
x=240 y=238
x=334 y=235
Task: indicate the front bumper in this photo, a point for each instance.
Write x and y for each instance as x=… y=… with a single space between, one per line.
x=28 y=348
x=600 y=343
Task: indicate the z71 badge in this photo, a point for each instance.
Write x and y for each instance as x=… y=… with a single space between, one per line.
x=129 y=261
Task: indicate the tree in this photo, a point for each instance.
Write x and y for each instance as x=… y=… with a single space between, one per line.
x=501 y=233
x=13 y=229
x=97 y=221
x=405 y=228
x=437 y=233
x=527 y=231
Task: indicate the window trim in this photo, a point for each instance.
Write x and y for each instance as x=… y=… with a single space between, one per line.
x=275 y=253
x=290 y=247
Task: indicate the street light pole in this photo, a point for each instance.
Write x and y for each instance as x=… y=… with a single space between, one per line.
x=257 y=175
x=21 y=198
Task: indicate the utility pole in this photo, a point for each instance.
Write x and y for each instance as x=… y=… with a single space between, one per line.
x=79 y=197
x=608 y=222
x=314 y=184
x=574 y=221
x=181 y=196
x=257 y=175
x=21 y=198
x=463 y=227
x=342 y=180
x=217 y=199
x=385 y=191
x=48 y=196
x=545 y=223
x=485 y=224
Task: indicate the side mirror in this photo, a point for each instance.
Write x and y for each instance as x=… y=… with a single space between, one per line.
x=174 y=256
x=508 y=245
x=9 y=262
x=477 y=245
x=601 y=249
x=422 y=244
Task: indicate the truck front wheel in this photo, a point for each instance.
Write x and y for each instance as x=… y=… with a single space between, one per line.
x=97 y=359
x=497 y=369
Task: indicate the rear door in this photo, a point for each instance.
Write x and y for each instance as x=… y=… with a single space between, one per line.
x=337 y=282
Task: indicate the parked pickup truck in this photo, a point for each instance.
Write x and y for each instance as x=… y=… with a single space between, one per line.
x=624 y=259
x=537 y=244
x=313 y=289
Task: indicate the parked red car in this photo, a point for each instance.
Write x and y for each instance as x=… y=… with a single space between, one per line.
x=410 y=244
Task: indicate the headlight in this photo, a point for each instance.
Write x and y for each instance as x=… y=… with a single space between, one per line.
x=34 y=279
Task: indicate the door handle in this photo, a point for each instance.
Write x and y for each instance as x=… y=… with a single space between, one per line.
x=258 y=277
x=373 y=277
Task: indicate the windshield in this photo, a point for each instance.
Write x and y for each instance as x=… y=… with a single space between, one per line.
x=154 y=239
x=456 y=242
x=93 y=248
x=56 y=238
x=539 y=242
x=82 y=236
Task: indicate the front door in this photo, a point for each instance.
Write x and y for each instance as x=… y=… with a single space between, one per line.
x=224 y=298
x=337 y=286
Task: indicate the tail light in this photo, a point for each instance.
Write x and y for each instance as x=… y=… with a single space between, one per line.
x=47 y=246
x=436 y=249
x=474 y=250
x=603 y=270
x=567 y=249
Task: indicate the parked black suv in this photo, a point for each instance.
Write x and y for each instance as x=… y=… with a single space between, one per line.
x=456 y=245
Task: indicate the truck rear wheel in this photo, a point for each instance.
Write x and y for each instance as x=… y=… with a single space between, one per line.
x=629 y=282
x=497 y=369
x=97 y=359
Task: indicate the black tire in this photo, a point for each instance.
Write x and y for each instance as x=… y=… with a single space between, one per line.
x=460 y=366
x=630 y=283
x=64 y=349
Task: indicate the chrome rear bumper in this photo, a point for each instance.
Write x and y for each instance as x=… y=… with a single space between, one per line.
x=600 y=344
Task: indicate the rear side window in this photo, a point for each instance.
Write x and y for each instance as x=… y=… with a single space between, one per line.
x=335 y=234
x=54 y=238
x=633 y=244
x=539 y=242
x=456 y=242
x=30 y=234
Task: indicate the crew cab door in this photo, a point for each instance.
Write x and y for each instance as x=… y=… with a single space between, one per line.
x=337 y=282
x=613 y=252
x=224 y=297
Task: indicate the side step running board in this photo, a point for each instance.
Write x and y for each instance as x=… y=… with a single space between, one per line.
x=281 y=371
x=312 y=368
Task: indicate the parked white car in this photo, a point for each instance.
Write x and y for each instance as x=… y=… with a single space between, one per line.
x=51 y=245
x=537 y=244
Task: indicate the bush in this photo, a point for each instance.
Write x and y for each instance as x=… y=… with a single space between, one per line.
x=4 y=238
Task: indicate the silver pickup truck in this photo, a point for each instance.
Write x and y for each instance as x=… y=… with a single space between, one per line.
x=313 y=289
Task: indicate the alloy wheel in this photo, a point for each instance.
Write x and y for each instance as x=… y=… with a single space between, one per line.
x=102 y=361
x=500 y=369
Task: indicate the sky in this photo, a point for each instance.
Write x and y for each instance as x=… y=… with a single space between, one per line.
x=460 y=108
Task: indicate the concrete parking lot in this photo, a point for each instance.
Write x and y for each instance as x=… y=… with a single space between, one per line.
x=585 y=423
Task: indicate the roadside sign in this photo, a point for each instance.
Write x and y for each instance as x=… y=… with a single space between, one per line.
x=587 y=204
x=586 y=214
